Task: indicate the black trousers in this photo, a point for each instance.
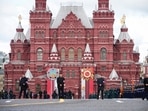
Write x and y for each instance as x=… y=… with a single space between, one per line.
x=145 y=95
x=98 y=93
x=23 y=90
x=61 y=92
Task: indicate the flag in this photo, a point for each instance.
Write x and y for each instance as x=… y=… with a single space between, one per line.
x=82 y=88
x=87 y=87
x=52 y=74
x=28 y=74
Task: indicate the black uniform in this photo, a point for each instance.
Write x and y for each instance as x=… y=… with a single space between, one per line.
x=145 y=95
x=60 y=83
x=23 y=84
x=100 y=84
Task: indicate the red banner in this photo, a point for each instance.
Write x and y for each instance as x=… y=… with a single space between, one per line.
x=50 y=87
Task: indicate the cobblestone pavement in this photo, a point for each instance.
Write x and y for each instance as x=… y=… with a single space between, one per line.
x=73 y=105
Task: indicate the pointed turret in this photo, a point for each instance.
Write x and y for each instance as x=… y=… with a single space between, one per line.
x=19 y=32
x=124 y=34
x=124 y=31
x=113 y=75
x=87 y=54
x=54 y=53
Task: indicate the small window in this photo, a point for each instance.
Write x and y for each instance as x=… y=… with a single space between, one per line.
x=39 y=68
x=71 y=54
x=79 y=54
x=103 y=68
x=68 y=74
x=18 y=55
x=62 y=54
x=124 y=55
x=103 y=54
x=103 y=34
x=73 y=74
x=39 y=54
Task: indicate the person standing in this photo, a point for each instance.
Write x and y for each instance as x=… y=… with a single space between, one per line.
x=100 y=84
x=23 y=85
x=60 y=84
x=145 y=81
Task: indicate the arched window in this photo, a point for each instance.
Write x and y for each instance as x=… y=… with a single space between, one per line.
x=100 y=34
x=71 y=33
x=18 y=55
x=103 y=54
x=124 y=55
x=73 y=74
x=103 y=34
x=67 y=73
x=79 y=54
x=36 y=34
x=42 y=34
x=71 y=54
x=39 y=54
x=62 y=54
x=79 y=34
x=62 y=34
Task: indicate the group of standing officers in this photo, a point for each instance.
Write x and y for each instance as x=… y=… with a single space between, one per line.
x=61 y=83
x=24 y=86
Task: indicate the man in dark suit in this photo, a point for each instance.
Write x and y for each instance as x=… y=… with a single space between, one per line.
x=145 y=81
x=23 y=85
x=60 y=84
x=100 y=84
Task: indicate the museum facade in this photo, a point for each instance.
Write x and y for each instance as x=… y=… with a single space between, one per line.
x=78 y=46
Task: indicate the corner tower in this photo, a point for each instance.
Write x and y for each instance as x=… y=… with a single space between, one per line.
x=40 y=19
x=103 y=20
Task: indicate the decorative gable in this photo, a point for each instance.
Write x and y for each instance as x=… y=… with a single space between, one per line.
x=71 y=22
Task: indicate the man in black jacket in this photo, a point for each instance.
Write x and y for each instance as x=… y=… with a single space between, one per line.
x=145 y=81
x=23 y=85
x=60 y=84
x=100 y=84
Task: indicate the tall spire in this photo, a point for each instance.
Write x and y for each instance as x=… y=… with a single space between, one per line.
x=124 y=31
x=19 y=31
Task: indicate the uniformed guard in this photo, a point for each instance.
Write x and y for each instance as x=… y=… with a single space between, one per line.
x=60 y=84
x=145 y=81
x=23 y=85
x=100 y=84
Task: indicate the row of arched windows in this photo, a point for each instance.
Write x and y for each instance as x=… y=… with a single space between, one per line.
x=80 y=34
x=68 y=34
x=71 y=54
x=103 y=34
x=39 y=33
x=71 y=33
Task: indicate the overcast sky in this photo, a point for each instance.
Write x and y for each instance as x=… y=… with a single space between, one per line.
x=136 y=12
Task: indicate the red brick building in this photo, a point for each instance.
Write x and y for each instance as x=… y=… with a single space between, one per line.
x=70 y=42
